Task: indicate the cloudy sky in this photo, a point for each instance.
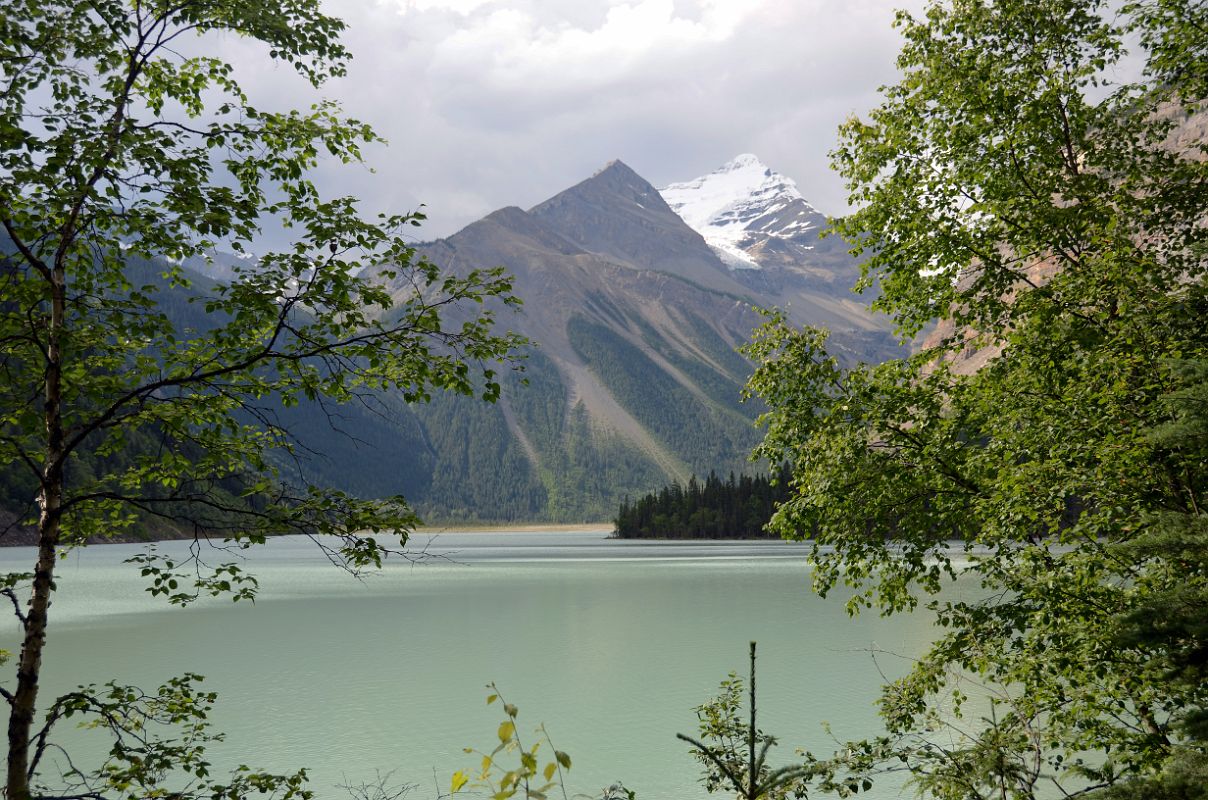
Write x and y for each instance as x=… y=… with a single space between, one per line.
x=488 y=103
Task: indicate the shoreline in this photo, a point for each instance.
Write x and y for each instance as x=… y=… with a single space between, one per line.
x=25 y=538
x=517 y=527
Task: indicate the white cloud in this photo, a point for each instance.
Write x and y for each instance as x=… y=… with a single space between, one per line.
x=512 y=47
x=489 y=103
x=462 y=7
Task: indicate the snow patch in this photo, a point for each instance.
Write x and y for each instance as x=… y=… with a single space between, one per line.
x=724 y=206
x=732 y=255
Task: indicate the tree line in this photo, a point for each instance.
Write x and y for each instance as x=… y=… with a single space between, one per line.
x=737 y=508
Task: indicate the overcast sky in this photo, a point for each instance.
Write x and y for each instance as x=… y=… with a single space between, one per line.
x=489 y=103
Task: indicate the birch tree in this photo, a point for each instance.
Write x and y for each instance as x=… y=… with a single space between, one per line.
x=134 y=392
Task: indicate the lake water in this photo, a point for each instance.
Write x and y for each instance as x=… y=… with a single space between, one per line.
x=611 y=643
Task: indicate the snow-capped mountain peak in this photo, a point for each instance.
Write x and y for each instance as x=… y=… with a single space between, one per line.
x=739 y=202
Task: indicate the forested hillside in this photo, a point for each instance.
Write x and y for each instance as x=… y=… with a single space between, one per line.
x=706 y=433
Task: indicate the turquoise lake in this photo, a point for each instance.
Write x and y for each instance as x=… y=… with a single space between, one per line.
x=610 y=643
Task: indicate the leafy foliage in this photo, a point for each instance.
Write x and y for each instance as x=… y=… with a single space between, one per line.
x=499 y=781
x=1046 y=216
x=1170 y=623
x=526 y=779
x=159 y=739
x=129 y=397
x=734 y=754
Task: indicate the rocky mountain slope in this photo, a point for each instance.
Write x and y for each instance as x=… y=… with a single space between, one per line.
x=634 y=380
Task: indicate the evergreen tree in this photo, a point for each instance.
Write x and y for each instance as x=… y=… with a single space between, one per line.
x=737 y=509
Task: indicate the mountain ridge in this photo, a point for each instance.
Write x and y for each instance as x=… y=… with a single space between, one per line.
x=635 y=320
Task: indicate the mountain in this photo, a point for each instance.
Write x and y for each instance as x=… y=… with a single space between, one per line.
x=743 y=203
x=221 y=266
x=616 y=214
x=766 y=232
x=634 y=379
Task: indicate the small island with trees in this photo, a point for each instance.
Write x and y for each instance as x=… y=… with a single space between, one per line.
x=736 y=508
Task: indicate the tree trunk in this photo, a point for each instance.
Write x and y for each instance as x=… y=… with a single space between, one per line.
x=50 y=497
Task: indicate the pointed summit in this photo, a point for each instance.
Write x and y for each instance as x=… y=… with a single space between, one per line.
x=616 y=180
x=616 y=165
x=745 y=161
x=618 y=214
x=743 y=183
x=742 y=198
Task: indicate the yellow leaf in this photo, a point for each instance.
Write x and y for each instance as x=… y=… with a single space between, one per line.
x=506 y=731
x=459 y=780
x=550 y=768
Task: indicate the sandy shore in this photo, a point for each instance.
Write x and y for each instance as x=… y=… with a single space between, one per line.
x=538 y=527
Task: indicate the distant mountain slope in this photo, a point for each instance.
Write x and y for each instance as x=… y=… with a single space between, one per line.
x=635 y=318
